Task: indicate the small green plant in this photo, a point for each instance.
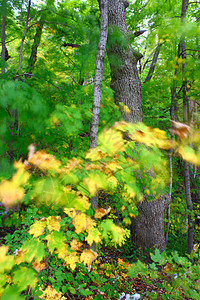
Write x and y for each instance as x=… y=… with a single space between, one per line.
x=177 y=276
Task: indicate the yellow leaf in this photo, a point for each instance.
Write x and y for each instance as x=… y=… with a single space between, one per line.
x=72 y=259
x=11 y=191
x=101 y=212
x=44 y=161
x=75 y=244
x=113 y=180
x=87 y=257
x=82 y=222
x=53 y=223
x=95 y=181
x=51 y=294
x=38 y=265
x=63 y=252
x=37 y=228
x=189 y=155
x=71 y=212
x=95 y=154
x=93 y=236
x=19 y=257
x=127 y=110
x=111 y=141
x=6 y=261
x=10 y=194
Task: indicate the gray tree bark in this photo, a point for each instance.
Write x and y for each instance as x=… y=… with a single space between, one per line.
x=24 y=36
x=3 y=42
x=153 y=63
x=94 y=127
x=124 y=74
x=148 y=227
x=186 y=118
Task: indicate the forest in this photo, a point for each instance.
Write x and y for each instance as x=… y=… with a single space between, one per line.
x=99 y=149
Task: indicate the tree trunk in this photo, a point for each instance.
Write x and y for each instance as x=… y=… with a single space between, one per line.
x=94 y=127
x=153 y=63
x=24 y=36
x=36 y=43
x=3 y=42
x=124 y=74
x=186 y=119
x=148 y=227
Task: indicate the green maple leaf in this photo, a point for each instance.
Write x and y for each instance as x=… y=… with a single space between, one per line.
x=55 y=240
x=33 y=249
x=25 y=277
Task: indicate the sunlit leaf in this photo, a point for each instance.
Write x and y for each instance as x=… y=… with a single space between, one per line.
x=44 y=161
x=189 y=155
x=93 y=236
x=101 y=212
x=29 y=280
x=37 y=228
x=38 y=265
x=82 y=222
x=6 y=261
x=75 y=244
x=87 y=257
x=53 y=223
x=111 y=141
x=72 y=259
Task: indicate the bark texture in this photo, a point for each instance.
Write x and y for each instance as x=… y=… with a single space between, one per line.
x=125 y=81
x=148 y=227
x=3 y=42
x=24 y=36
x=153 y=63
x=33 y=57
x=94 y=127
x=186 y=118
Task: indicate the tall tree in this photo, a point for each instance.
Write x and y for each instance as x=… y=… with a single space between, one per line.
x=148 y=227
x=103 y=4
x=186 y=119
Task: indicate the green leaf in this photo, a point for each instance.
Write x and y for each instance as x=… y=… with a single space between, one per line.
x=158 y=257
x=55 y=240
x=25 y=277
x=12 y=292
x=33 y=249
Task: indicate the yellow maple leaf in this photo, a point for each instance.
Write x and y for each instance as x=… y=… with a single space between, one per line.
x=101 y=212
x=95 y=154
x=19 y=257
x=38 y=265
x=11 y=191
x=82 y=222
x=113 y=181
x=63 y=252
x=75 y=244
x=87 y=257
x=72 y=259
x=94 y=235
x=6 y=261
x=111 y=141
x=189 y=155
x=10 y=194
x=51 y=294
x=44 y=161
x=95 y=181
x=37 y=228
x=53 y=223
x=127 y=110
x=71 y=212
